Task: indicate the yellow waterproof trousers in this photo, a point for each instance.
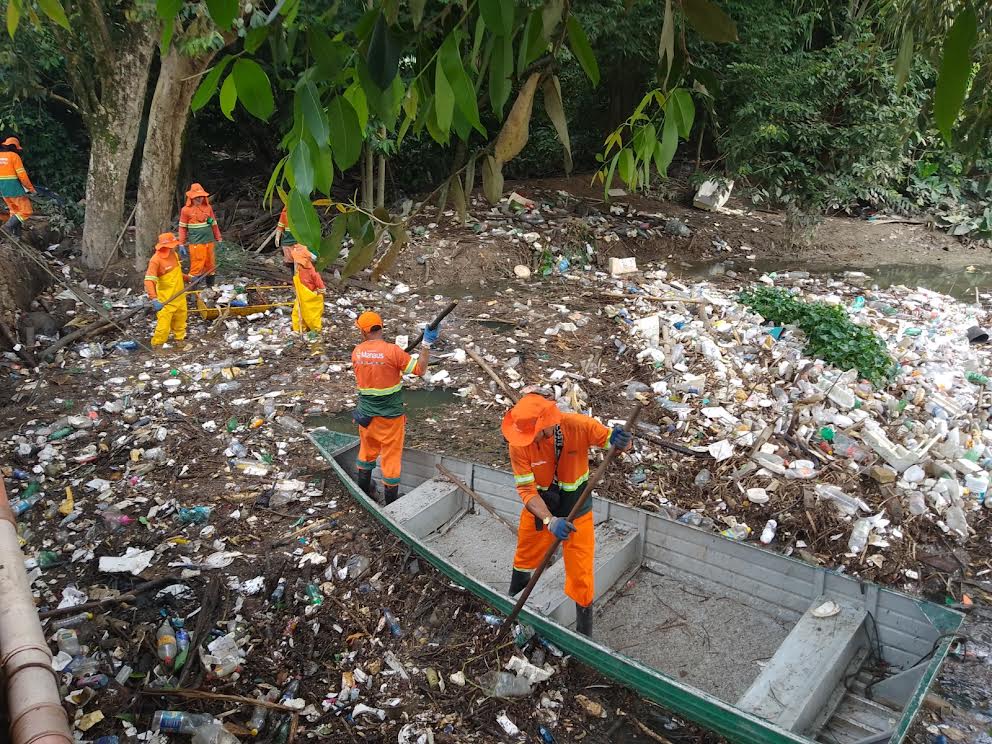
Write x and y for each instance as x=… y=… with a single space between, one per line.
x=309 y=307
x=172 y=317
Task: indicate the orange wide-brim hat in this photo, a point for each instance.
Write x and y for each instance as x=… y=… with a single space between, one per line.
x=13 y=141
x=196 y=190
x=531 y=414
x=369 y=320
x=301 y=255
x=166 y=241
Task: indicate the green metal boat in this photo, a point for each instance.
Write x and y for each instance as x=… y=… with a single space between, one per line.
x=759 y=647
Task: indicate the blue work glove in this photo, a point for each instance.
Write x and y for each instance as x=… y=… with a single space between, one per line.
x=620 y=439
x=561 y=528
x=430 y=335
x=156 y=305
x=183 y=251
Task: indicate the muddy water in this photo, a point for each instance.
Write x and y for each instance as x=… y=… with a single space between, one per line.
x=418 y=403
x=958 y=283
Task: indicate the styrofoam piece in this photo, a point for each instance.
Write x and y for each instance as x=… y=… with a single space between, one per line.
x=620 y=266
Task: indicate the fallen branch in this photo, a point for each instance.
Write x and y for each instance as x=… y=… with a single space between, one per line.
x=478 y=499
x=510 y=393
x=665 y=444
x=22 y=352
x=204 y=695
x=120 y=237
x=96 y=604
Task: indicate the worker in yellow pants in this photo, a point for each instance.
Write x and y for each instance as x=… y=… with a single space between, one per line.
x=308 y=310
x=164 y=279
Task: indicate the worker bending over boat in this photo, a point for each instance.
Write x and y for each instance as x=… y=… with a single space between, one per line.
x=308 y=310
x=164 y=279
x=549 y=452
x=379 y=368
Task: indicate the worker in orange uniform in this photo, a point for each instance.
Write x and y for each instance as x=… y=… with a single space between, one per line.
x=14 y=185
x=308 y=310
x=549 y=452
x=379 y=368
x=286 y=240
x=199 y=231
x=163 y=279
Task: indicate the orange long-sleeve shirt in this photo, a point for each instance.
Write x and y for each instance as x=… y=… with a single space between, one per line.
x=310 y=277
x=198 y=223
x=160 y=264
x=14 y=179
x=534 y=465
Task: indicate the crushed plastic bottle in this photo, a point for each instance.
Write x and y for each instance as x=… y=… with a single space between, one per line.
x=29 y=498
x=166 y=644
x=845 y=504
x=179 y=721
x=954 y=518
x=356 y=566
x=214 y=733
x=68 y=641
x=859 y=536
x=498 y=683
x=72 y=621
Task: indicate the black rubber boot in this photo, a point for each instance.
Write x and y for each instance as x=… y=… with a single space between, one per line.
x=364 y=481
x=518 y=581
x=390 y=494
x=583 y=620
x=13 y=225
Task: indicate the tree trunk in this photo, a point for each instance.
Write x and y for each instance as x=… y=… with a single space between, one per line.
x=113 y=125
x=161 y=156
x=380 y=183
x=367 y=179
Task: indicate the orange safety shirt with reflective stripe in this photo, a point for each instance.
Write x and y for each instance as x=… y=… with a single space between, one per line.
x=534 y=465
x=14 y=179
x=286 y=238
x=197 y=224
x=160 y=283
x=379 y=368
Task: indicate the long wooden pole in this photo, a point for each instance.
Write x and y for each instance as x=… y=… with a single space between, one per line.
x=597 y=476
x=120 y=237
x=476 y=497
x=477 y=358
x=432 y=325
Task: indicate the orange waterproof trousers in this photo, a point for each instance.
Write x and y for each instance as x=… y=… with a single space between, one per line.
x=579 y=552
x=382 y=438
x=201 y=259
x=19 y=207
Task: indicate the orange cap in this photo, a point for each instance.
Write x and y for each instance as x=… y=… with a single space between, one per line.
x=196 y=190
x=369 y=320
x=531 y=414
x=166 y=241
x=13 y=141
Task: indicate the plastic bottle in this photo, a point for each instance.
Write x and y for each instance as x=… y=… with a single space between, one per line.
x=72 y=621
x=48 y=558
x=166 y=643
x=505 y=684
x=768 y=534
x=29 y=498
x=179 y=721
x=392 y=622
x=356 y=566
x=859 y=536
x=182 y=643
x=289 y=423
x=955 y=519
x=279 y=592
x=917 y=504
x=214 y=733
x=976 y=378
x=978 y=484
x=80 y=666
x=314 y=595
x=68 y=641
x=257 y=721
x=845 y=446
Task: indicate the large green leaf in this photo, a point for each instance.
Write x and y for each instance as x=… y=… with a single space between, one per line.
x=417 y=11
x=532 y=43
x=461 y=85
x=645 y=139
x=301 y=164
x=330 y=245
x=498 y=15
x=384 y=53
x=303 y=220
x=167 y=10
x=955 y=71
x=626 y=167
x=313 y=112
x=209 y=85
x=551 y=17
x=255 y=38
x=223 y=12
x=578 y=42
x=323 y=169
x=664 y=150
x=13 y=16
x=355 y=95
x=53 y=9
x=710 y=21
x=273 y=180
x=346 y=136
x=904 y=59
x=556 y=112
x=329 y=55
x=680 y=106
x=500 y=71
x=444 y=98
x=254 y=89
x=228 y=96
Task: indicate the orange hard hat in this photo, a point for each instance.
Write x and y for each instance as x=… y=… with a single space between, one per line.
x=13 y=141
x=196 y=190
x=369 y=320
x=531 y=414
x=166 y=241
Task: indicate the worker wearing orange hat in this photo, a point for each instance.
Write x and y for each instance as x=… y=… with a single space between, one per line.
x=549 y=452
x=164 y=279
x=308 y=310
x=286 y=240
x=379 y=368
x=198 y=229
x=14 y=185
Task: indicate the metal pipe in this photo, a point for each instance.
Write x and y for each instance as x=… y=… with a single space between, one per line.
x=34 y=707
